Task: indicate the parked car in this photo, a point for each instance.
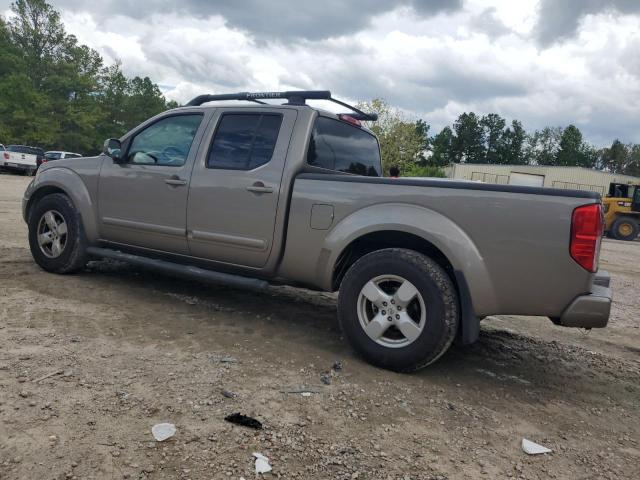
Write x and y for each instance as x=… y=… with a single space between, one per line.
x=57 y=155
x=21 y=158
x=249 y=195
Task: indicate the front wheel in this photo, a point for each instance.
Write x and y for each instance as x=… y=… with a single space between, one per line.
x=398 y=309
x=56 y=237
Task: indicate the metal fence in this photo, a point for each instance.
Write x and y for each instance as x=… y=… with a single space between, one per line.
x=578 y=186
x=490 y=178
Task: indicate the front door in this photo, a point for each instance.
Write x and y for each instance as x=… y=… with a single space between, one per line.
x=235 y=186
x=143 y=201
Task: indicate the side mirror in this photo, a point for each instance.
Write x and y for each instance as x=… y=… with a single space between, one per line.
x=113 y=148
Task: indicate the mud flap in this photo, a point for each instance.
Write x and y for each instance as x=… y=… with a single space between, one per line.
x=469 y=330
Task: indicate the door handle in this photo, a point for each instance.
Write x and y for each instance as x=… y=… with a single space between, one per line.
x=259 y=187
x=175 y=180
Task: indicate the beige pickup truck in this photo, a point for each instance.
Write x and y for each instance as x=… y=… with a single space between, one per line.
x=250 y=194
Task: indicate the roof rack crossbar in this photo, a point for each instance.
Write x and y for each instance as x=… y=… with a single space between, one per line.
x=357 y=113
x=293 y=97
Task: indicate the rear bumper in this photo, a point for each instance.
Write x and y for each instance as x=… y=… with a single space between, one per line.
x=21 y=167
x=591 y=310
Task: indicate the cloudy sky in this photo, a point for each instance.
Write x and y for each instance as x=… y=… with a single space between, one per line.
x=544 y=62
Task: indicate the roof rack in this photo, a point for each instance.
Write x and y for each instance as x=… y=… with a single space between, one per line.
x=293 y=97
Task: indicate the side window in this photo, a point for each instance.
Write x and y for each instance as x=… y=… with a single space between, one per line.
x=336 y=145
x=244 y=141
x=166 y=142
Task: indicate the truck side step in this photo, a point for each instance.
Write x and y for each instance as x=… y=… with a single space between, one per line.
x=185 y=271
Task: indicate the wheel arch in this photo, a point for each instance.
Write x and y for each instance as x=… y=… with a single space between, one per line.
x=380 y=239
x=419 y=229
x=69 y=183
x=39 y=194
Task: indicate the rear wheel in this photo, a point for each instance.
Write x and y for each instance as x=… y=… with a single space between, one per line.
x=625 y=228
x=56 y=237
x=398 y=309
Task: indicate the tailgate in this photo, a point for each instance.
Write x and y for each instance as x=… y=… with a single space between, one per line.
x=14 y=159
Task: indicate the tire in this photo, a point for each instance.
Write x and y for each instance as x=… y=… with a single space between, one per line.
x=432 y=333
x=71 y=254
x=625 y=228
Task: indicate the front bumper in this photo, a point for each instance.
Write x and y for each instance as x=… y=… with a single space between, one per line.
x=591 y=310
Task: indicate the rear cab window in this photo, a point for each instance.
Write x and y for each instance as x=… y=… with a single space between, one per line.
x=52 y=155
x=26 y=150
x=244 y=141
x=17 y=149
x=337 y=145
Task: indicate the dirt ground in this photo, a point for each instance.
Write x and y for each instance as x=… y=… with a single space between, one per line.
x=90 y=362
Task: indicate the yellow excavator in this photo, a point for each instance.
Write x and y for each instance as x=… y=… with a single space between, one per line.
x=622 y=211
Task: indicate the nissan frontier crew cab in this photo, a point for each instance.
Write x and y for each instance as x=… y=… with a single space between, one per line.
x=252 y=194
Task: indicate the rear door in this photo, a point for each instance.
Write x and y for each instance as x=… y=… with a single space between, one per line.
x=143 y=201
x=526 y=179
x=235 y=186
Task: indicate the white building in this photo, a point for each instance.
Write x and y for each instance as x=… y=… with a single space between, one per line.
x=575 y=178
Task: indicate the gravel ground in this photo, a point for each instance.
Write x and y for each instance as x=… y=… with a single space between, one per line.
x=90 y=362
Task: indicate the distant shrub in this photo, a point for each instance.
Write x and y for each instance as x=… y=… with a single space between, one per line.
x=423 y=171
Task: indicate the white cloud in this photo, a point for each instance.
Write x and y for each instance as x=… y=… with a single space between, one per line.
x=485 y=56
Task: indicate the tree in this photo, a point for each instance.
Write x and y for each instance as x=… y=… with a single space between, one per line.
x=144 y=100
x=10 y=67
x=512 y=145
x=469 y=143
x=616 y=158
x=56 y=93
x=571 y=150
x=590 y=156
x=422 y=129
x=442 y=153
x=546 y=145
x=36 y=29
x=493 y=125
x=401 y=141
x=633 y=166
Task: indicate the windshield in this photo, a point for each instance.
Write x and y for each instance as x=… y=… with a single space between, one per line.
x=52 y=155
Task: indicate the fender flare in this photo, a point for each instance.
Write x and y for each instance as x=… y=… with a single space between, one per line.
x=73 y=186
x=435 y=228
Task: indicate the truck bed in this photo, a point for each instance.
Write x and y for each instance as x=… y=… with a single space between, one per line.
x=511 y=242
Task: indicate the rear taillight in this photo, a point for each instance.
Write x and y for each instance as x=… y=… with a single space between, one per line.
x=586 y=233
x=6 y=155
